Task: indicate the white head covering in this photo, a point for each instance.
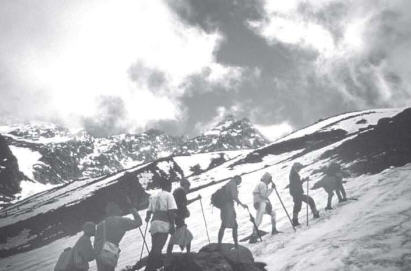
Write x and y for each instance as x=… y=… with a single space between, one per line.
x=266 y=177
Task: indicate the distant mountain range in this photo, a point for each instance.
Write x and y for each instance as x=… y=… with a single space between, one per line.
x=49 y=154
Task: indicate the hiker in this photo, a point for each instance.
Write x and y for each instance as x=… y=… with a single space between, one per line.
x=297 y=192
x=162 y=207
x=109 y=234
x=333 y=181
x=228 y=216
x=83 y=251
x=182 y=236
x=77 y=258
x=263 y=205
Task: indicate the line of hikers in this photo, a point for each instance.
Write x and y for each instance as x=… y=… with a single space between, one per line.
x=167 y=213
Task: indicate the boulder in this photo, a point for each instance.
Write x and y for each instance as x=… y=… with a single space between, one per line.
x=232 y=254
x=211 y=258
x=202 y=261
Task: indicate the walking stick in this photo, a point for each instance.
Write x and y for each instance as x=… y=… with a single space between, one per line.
x=307 y=201
x=205 y=221
x=252 y=219
x=144 y=237
x=279 y=198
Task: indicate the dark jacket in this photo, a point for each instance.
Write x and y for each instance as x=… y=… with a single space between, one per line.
x=182 y=211
x=85 y=250
x=296 y=186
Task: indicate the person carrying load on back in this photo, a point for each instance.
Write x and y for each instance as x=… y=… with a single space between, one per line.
x=228 y=215
x=333 y=181
x=182 y=235
x=162 y=207
x=109 y=234
x=263 y=205
x=77 y=258
x=297 y=192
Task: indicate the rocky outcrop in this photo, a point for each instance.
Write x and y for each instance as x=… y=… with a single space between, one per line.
x=229 y=134
x=388 y=144
x=10 y=176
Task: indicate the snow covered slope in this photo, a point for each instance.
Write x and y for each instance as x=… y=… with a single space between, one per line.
x=371 y=233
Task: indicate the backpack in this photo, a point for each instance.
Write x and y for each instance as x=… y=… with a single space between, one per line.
x=110 y=252
x=219 y=198
x=64 y=261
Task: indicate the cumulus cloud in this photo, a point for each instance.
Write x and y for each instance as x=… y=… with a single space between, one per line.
x=175 y=65
x=67 y=55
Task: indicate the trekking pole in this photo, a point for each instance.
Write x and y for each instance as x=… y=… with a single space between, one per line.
x=279 y=198
x=139 y=228
x=307 y=202
x=255 y=224
x=205 y=221
x=144 y=237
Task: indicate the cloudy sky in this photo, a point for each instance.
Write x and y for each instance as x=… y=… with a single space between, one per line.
x=114 y=66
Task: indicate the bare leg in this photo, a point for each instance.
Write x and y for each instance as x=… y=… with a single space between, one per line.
x=330 y=197
x=220 y=235
x=235 y=236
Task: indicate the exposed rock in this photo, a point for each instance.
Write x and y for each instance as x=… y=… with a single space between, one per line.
x=10 y=176
x=210 y=258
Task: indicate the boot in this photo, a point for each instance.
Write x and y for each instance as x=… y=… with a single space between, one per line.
x=295 y=222
x=253 y=239
x=274 y=229
x=316 y=214
x=328 y=207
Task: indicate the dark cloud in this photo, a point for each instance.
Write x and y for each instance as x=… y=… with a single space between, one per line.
x=109 y=118
x=277 y=83
x=281 y=82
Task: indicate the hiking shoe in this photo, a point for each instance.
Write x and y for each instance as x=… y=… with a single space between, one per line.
x=253 y=240
x=316 y=214
x=296 y=223
x=274 y=232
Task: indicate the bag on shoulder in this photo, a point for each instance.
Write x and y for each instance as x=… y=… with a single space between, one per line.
x=219 y=198
x=110 y=252
x=64 y=260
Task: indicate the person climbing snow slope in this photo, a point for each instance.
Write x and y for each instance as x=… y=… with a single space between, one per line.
x=228 y=215
x=263 y=205
x=297 y=192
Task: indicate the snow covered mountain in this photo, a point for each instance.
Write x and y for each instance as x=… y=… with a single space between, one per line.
x=229 y=134
x=369 y=233
x=48 y=154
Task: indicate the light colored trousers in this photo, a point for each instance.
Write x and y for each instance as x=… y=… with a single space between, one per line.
x=260 y=213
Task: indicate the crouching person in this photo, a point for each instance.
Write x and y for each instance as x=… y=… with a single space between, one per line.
x=77 y=258
x=162 y=207
x=109 y=234
x=263 y=205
